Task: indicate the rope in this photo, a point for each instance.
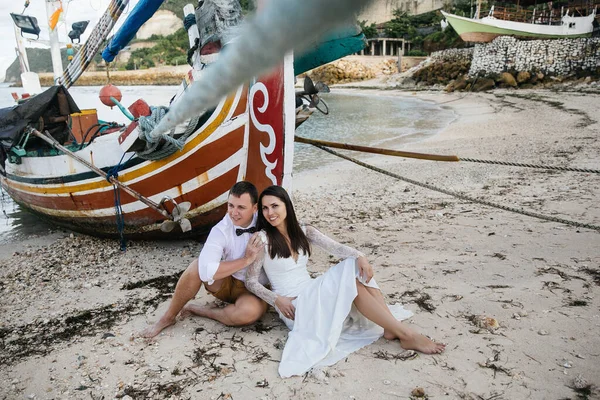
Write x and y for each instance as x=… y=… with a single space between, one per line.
x=514 y=164
x=114 y=173
x=153 y=150
x=86 y=53
x=432 y=157
x=189 y=21
x=147 y=124
x=460 y=195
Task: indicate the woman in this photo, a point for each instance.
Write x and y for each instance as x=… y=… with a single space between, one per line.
x=325 y=327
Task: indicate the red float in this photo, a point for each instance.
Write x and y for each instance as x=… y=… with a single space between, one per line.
x=109 y=91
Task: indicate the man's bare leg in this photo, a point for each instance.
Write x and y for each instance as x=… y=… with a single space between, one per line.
x=376 y=293
x=246 y=310
x=187 y=287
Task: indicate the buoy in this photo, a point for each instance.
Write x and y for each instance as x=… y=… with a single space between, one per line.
x=109 y=91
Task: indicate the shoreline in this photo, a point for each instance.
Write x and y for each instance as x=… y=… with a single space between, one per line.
x=447 y=260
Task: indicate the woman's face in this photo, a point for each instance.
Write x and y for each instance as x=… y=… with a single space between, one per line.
x=274 y=211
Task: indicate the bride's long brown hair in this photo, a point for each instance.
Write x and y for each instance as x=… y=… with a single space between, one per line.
x=277 y=244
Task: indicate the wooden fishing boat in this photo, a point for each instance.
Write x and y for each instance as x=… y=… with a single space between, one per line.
x=248 y=136
x=522 y=24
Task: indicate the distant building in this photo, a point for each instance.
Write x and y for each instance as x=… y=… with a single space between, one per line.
x=379 y=11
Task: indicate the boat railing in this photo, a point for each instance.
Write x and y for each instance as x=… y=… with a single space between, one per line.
x=543 y=17
x=539 y=16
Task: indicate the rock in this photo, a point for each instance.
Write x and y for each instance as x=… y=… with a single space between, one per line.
x=508 y=79
x=418 y=392
x=543 y=332
x=523 y=76
x=483 y=84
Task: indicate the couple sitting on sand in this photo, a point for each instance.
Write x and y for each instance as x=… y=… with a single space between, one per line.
x=329 y=317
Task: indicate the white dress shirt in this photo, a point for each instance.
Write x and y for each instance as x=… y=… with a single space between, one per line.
x=223 y=244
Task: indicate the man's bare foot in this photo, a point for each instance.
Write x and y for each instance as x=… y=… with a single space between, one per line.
x=195 y=309
x=423 y=344
x=157 y=328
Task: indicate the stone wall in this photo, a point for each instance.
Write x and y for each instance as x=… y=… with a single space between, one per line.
x=559 y=57
x=453 y=55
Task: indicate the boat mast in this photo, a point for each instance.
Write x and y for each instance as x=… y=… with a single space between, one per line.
x=57 y=66
x=21 y=52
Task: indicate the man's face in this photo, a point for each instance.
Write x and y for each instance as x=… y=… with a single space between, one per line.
x=241 y=210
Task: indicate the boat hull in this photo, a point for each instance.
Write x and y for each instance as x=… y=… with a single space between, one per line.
x=247 y=137
x=487 y=29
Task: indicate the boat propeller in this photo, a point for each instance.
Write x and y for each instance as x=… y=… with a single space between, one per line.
x=310 y=94
x=178 y=214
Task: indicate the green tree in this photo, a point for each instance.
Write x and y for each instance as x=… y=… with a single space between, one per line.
x=400 y=27
x=370 y=30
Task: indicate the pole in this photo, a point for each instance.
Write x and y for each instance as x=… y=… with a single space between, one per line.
x=375 y=150
x=21 y=52
x=57 y=66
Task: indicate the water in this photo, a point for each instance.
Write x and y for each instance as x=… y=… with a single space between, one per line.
x=369 y=119
x=372 y=119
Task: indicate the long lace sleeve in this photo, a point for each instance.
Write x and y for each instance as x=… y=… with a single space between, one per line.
x=253 y=284
x=331 y=246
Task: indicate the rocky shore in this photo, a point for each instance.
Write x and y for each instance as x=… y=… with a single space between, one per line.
x=515 y=298
x=160 y=76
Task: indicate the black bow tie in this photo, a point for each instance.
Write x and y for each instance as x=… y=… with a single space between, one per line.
x=240 y=232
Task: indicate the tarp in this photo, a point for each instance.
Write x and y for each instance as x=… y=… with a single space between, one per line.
x=54 y=102
x=141 y=13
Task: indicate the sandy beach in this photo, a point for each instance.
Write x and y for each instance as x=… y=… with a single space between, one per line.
x=515 y=298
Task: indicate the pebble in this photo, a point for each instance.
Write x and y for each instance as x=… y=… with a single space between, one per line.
x=543 y=332
x=386 y=382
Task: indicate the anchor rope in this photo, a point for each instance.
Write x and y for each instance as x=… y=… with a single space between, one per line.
x=460 y=195
x=527 y=165
x=114 y=173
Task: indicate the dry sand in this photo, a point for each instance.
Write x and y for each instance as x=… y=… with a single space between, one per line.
x=71 y=304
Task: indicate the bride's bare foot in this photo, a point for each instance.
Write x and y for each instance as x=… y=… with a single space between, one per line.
x=423 y=344
x=389 y=335
x=157 y=328
x=194 y=309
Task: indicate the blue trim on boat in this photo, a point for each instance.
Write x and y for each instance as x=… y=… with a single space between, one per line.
x=70 y=178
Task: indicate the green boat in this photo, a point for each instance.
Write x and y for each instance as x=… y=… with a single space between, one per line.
x=529 y=26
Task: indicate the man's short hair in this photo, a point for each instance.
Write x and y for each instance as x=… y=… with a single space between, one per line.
x=245 y=187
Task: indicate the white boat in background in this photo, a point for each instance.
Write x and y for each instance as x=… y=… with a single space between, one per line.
x=523 y=24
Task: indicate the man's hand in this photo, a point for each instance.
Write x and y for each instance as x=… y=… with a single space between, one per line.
x=364 y=268
x=284 y=304
x=254 y=246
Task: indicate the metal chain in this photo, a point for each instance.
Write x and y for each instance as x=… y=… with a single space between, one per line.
x=514 y=164
x=460 y=195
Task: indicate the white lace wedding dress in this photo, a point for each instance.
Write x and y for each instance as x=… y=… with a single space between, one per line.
x=327 y=326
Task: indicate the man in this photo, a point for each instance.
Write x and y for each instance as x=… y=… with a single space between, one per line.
x=221 y=267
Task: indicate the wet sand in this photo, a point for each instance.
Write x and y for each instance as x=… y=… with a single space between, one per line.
x=514 y=297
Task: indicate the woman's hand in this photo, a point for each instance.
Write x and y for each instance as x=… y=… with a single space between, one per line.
x=254 y=246
x=365 y=270
x=284 y=304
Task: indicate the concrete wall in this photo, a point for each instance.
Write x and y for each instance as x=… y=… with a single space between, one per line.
x=379 y=11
